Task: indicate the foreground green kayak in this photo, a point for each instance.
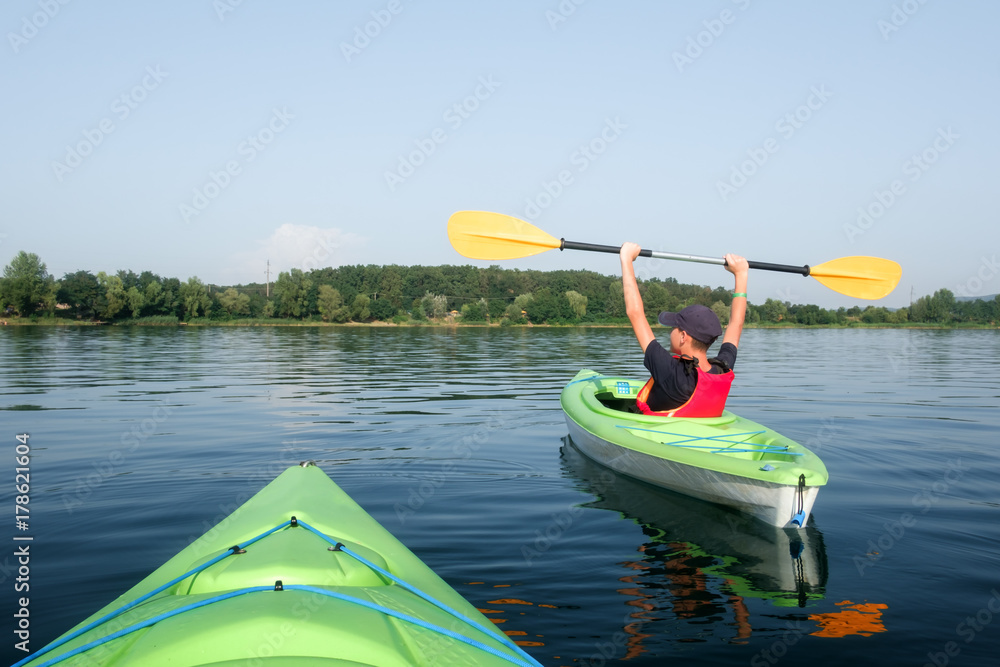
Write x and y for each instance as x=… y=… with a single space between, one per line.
x=727 y=460
x=301 y=576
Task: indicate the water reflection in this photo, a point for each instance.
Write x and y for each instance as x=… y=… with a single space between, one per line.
x=701 y=563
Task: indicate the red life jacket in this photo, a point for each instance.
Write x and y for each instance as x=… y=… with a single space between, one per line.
x=707 y=400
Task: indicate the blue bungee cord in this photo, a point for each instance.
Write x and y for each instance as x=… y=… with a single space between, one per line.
x=764 y=449
x=294 y=587
x=339 y=546
x=240 y=548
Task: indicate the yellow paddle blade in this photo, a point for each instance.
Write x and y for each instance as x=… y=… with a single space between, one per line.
x=860 y=277
x=485 y=235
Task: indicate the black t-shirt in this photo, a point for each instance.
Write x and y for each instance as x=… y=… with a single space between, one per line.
x=672 y=384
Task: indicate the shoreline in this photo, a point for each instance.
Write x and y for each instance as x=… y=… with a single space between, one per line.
x=55 y=322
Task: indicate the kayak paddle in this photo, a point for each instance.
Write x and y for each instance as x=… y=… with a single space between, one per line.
x=485 y=235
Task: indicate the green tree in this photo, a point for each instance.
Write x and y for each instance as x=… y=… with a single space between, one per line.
x=113 y=295
x=874 y=315
x=194 y=298
x=359 y=308
x=135 y=300
x=81 y=292
x=547 y=306
x=475 y=312
x=170 y=302
x=234 y=303
x=382 y=309
x=435 y=305
x=391 y=287
x=774 y=310
x=941 y=306
x=153 y=296
x=331 y=305
x=25 y=284
x=291 y=294
x=417 y=310
x=721 y=311
x=577 y=302
x=656 y=298
x=516 y=311
x=51 y=298
x=616 y=299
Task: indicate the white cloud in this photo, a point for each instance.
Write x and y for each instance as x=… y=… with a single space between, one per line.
x=293 y=246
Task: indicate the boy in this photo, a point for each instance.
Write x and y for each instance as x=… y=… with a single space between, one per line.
x=684 y=382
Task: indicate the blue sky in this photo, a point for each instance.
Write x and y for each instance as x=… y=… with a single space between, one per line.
x=204 y=138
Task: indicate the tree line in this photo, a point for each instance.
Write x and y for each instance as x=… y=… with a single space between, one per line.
x=467 y=294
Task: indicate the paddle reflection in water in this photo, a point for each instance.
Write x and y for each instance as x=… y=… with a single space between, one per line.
x=701 y=562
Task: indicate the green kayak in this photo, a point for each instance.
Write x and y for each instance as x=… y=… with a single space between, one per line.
x=747 y=558
x=727 y=460
x=298 y=576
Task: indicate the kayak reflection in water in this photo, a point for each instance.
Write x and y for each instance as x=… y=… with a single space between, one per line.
x=701 y=570
x=685 y=382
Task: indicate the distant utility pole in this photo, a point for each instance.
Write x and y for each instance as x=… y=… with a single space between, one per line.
x=268 y=274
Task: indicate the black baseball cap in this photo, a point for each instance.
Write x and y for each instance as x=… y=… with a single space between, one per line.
x=697 y=320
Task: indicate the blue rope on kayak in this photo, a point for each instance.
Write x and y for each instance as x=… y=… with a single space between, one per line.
x=293 y=587
x=764 y=449
x=139 y=626
x=424 y=624
x=591 y=377
x=121 y=610
x=528 y=662
x=416 y=591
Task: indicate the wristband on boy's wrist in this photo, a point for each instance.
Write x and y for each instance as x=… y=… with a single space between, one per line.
x=742 y=294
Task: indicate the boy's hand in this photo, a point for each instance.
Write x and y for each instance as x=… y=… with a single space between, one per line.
x=736 y=264
x=629 y=251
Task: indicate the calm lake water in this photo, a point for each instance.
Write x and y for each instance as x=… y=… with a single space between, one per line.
x=143 y=438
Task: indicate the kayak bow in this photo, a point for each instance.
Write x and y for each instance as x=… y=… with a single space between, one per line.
x=299 y=575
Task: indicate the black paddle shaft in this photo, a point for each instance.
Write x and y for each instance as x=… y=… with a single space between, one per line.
x=646 y=252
